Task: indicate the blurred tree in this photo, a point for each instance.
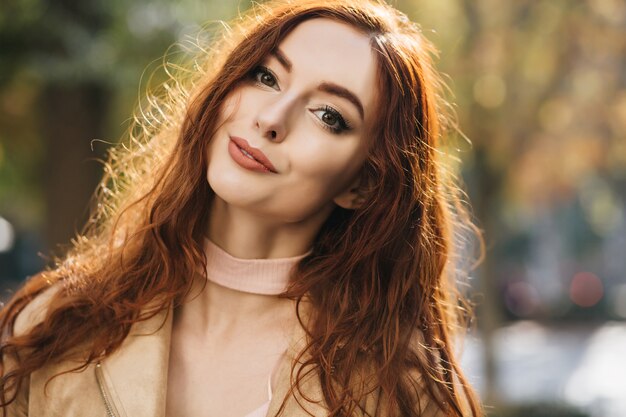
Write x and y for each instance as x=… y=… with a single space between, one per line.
x=540 y=89
x=67 y=70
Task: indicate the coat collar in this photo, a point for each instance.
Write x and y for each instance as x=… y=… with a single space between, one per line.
x=136 y=373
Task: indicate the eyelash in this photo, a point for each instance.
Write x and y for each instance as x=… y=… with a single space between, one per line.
x=344 y=125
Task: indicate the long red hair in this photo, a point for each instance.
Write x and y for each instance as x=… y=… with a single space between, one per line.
x=381 y=279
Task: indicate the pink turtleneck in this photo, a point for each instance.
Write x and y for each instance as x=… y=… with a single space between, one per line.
x=258 y=276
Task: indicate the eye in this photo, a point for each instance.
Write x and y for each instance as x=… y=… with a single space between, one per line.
x=332 y=120
x=264 y=76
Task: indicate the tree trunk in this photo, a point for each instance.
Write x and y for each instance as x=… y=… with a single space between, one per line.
x=71 y=117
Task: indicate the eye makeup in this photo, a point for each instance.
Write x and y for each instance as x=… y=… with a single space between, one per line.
x=336 y=124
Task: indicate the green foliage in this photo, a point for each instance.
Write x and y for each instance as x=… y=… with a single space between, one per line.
x=52 y=44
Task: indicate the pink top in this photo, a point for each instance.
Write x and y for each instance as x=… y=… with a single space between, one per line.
x=262 y=410
x=258 y=276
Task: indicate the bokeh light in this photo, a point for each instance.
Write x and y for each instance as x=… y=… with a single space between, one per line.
x=7 y=235
x=586 y=289
x=522 y=299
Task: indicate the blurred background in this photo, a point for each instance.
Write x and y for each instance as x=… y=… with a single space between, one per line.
x=540 y=90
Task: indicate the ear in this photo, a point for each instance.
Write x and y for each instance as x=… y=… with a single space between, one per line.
x=351 y=198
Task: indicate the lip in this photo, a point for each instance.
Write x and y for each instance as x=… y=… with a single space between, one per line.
x=260 y=163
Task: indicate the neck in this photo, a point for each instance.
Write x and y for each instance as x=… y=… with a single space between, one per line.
x=216 y=309
x=239 y=291
x=249 y=235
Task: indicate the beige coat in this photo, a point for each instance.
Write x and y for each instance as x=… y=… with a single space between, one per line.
x=132 y=382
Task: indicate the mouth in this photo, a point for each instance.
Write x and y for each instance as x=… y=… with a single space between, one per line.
x=248 y=156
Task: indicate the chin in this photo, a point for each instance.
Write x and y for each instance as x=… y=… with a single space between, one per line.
x=236 y=189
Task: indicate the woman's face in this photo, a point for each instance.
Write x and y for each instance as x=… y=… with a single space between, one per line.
x=306 y=112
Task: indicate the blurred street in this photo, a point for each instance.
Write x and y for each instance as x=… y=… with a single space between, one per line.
x=582 y=365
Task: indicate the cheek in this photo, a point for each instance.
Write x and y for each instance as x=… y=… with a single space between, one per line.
x=331 y=163
x=229 y=111
x=230 y=105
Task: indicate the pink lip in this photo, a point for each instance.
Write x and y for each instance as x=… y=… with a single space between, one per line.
x=260 y=162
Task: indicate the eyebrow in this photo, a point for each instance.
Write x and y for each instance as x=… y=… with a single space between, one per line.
x=327 y=87
x=284 y=61
x=340 y=91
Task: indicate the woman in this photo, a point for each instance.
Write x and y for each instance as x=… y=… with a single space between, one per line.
x=276 y=240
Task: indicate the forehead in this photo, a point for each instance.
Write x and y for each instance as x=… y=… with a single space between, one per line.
x=326 y=50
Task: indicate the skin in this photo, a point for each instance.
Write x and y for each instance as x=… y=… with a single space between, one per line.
x=271 y=215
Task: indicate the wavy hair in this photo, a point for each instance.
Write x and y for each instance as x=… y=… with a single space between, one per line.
x=381 y=279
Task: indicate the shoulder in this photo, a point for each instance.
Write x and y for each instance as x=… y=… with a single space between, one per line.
x=34 y=312
x=29 y=313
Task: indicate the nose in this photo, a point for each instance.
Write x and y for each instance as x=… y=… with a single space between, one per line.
x=271 y=119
